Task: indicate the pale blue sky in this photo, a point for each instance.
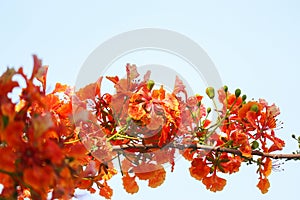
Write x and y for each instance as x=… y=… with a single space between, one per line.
x=254 y=45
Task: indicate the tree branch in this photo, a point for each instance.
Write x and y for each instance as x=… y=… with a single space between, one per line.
x=144 y=148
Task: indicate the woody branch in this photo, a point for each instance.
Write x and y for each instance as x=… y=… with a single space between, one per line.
x=208 y=148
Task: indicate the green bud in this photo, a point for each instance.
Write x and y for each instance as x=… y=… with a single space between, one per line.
x=128 y=119
x=208 y=110
x=150 y=84
x=225 y=88
x=294 y=136
x=237 y=92
x=210 y=91
x=244 y=97
x=255 y=145
x=254 y=108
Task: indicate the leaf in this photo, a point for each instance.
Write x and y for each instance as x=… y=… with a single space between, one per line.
x=130 y=184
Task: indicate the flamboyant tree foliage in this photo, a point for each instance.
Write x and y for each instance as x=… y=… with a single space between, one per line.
x=53 y=143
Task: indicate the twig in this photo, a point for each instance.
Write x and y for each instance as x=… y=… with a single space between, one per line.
x=209 y=148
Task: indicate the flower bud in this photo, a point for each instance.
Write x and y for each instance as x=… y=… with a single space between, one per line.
x=254 y=108
x=225 y=88
x=128 y=119
x=150 y=84
x=244 y=97
x=208 y=110
x=210 y=91
x=237 y=92
x=255 y=144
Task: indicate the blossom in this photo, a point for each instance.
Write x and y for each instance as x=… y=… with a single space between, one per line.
x=214 y=183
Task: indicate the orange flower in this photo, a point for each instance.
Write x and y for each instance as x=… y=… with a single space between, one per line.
x=188 y=154
x=136 y=111
x=8 y=186
x=12 y=134
x=240 y=139
x=263 y=185
x=214 y=183
x=155 y=174
x=233 y=102
x=251 y=106
x=40 y=178
x=106 y=191
x=129 y=184
x=7 y=84
x=8 y=158
x=159 y=94
x=267 y=167
x=199 y=169
x=231 y=165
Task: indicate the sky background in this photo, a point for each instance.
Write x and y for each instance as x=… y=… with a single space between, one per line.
x=254 y=45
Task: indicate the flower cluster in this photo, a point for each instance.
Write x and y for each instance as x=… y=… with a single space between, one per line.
x=52 y=143
x=140 y=115
x=41 y=154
